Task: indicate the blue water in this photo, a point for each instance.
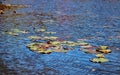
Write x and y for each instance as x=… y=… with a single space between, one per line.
x=98 y=21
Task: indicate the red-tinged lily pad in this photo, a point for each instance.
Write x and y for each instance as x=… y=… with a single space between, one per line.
x=99 y=60
x=1 y=11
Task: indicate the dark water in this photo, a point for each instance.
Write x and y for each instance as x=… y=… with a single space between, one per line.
x=98 y=21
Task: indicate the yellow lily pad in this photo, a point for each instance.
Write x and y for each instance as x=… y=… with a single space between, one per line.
x=87 y=47
x=103 y=47
x=41 y=30
x=100 y=55
x=99 y=60
x=83 y=43
x=55 y=43
x=45 y=52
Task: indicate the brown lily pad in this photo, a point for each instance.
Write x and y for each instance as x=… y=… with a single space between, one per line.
x=105 y=51
x=90 y=51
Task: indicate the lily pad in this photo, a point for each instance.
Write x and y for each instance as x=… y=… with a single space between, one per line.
x=41 y=30
x=99 y=60
x=45 y=52
x=100 y=55
x=83 y=43
x=69 y=43
x=11 y=33
x=102 y=48
x=90 y=51
x=50 y=38
x=87 y=47
x=34 y=37
x=105 y=51
x=54 y=43
x=50 y=32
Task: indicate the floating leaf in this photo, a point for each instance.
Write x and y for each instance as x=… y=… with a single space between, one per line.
x=45 y=52
x=87 y=47
x=50 y=38
x=99 y=60
x=50 y=32
x=100 y=55
x=54 y=43
x=48 y=21
x=1 y=12
x=16 y=30
x=69 y=43
x=105 y=51
x=41 y=30
x=102 y=48
x=81 y=43
x=34 y=37
x=11 y=33
x=90 y=51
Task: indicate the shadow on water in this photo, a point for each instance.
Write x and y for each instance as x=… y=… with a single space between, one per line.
x=4 y=69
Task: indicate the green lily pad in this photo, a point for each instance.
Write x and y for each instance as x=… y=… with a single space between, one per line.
x=34 y=37
x=99 y=60
x=16 y=30
x=69 y=43
x=11 y=33
x=50 y=38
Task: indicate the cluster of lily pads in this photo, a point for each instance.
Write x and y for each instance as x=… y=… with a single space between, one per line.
x=48 y=44
x=99 y=51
